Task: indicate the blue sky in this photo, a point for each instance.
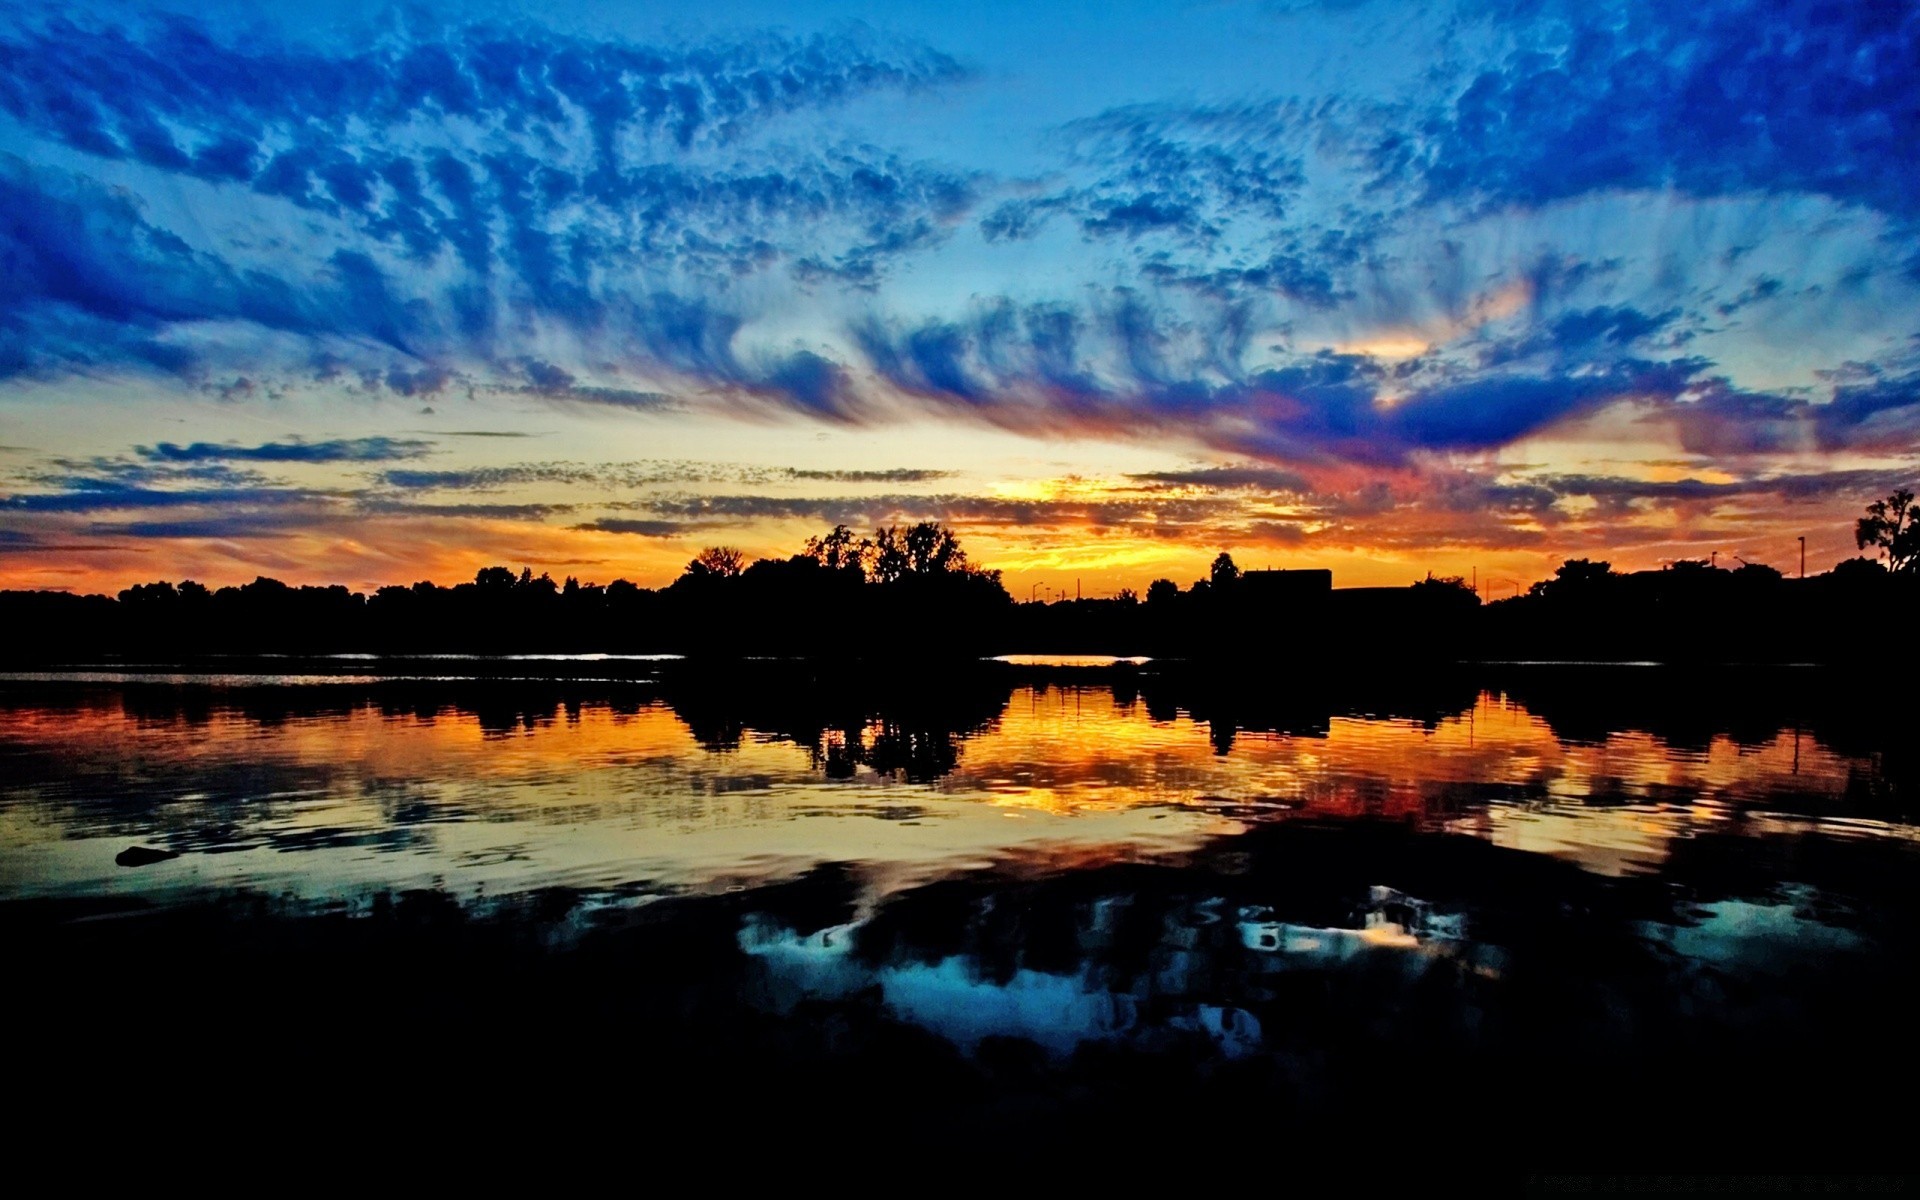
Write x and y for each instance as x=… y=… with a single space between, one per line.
x=1386 y=287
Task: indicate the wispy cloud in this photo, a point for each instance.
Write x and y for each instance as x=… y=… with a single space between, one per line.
x=1714 y=98
x=105 y=496
x=511 y=161
x=638 y=527
x=366 y=449
x=1693 y=222
x=1252 y=477
x=646 y=474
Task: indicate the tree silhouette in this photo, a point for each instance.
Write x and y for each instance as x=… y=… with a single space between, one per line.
x=889 y=556
x=840 y=550
x=1859 y=571
x=1224 y=572
x=922 y=549
x=717 y=562
x=1575 y=578
x=1442 y=585
x=910 y=593
x=1892 y=526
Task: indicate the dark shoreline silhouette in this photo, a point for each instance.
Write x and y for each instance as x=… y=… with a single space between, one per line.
x=1860 y=616
x=912 y=595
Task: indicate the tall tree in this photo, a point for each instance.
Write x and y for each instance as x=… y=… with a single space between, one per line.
x=922 y=549
x=840 y=550
x=934 y=550
x=1224 y=570
x=1892 y=526
x=717 y=562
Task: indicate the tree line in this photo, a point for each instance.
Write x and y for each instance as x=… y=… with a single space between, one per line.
x=911 y=593
x=904 y=589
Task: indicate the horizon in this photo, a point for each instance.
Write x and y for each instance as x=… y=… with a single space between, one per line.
x=1486 y=592
x=370 y=295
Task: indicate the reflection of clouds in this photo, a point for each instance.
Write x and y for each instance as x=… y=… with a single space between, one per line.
x=953 y=998
x=1080 y=954
x=1188 y=957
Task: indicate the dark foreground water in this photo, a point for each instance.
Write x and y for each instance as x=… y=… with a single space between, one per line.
x=1517 y=921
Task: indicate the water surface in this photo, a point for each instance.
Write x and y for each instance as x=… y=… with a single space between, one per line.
x=328 y=786
x=1010 y=898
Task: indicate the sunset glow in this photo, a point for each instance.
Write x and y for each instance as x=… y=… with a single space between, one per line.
x=1103 y=302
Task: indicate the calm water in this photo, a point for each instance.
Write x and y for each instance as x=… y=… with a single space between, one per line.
x=1306 y=894
x=336 y=787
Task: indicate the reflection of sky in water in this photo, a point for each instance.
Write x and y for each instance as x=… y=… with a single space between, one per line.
x=331 y=795
x=1397 y=936
x=601 y=793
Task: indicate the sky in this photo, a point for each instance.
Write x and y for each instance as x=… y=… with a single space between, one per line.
x=370 y=294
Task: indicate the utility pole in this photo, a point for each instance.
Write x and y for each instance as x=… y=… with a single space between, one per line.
x=1476 y=581
x=1803 y=564
x=1715 y=564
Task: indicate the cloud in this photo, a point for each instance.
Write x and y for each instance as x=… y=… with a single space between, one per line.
x=424 y=381
x=482 y=479
x=1593 y=333
x=1715 y=417
x=461 y=184
x=17 y=542
x=1189 y=170
x=637 y=527
x=87 y=282
x=1160 y=514
x=131 y=93
x=1248 y=477
x=1883 y=414
x=1714 y=98
x=1433 y=508
x=366 y=449
x=653 y=473
x=1487 y=412
x=578 y=220
x=108 y=496
x=1794 y=486
x=1206 y=197
x=887 y=475
x=230 y=526
x=388 y=507
x=1130 y=369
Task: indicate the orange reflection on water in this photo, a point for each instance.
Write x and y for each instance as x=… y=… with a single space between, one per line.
x=1075 y=750
x=597 y=792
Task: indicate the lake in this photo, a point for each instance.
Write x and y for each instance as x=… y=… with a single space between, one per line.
x=1583 y=904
